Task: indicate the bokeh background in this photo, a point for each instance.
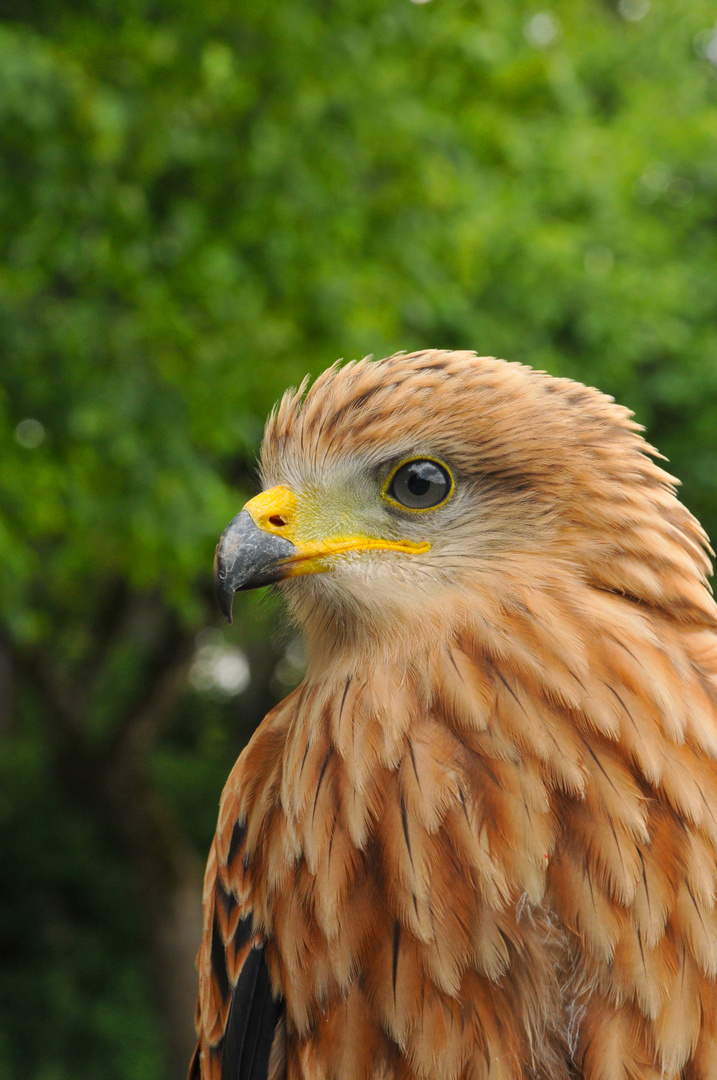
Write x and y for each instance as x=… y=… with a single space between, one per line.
x=199 y=203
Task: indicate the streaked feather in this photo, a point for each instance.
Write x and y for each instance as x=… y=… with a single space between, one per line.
x=480 y=841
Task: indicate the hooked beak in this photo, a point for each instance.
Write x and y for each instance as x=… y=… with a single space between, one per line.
x=246 y=558
x=261 y=546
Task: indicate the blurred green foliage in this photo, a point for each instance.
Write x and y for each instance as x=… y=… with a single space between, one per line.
x=198 y=204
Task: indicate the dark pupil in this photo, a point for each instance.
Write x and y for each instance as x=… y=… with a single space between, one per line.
x=418 y=484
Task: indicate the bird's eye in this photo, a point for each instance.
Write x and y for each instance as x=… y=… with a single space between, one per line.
x=420 y=485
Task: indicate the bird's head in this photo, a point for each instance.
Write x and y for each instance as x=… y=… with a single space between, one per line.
x=396 y=491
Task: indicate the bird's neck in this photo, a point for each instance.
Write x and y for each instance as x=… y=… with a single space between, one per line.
x=531 y=679
x=354 y=719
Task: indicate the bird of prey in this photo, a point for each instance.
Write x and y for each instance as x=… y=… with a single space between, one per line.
x=479 y=841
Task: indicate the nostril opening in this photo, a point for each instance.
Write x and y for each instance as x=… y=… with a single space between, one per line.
x=277 y=521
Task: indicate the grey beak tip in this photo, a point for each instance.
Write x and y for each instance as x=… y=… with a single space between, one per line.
x=247 y=558
x=225 y=606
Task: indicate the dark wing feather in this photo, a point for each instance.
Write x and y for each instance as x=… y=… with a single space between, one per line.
x=194 y=1073
x=237 y=1015
x=252 y=1022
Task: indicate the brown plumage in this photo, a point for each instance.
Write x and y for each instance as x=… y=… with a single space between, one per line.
x=479 y=842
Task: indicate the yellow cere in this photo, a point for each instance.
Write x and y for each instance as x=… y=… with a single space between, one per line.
x=277 y=511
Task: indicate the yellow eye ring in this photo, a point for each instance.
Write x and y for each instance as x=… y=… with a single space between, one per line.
x=408 y=488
